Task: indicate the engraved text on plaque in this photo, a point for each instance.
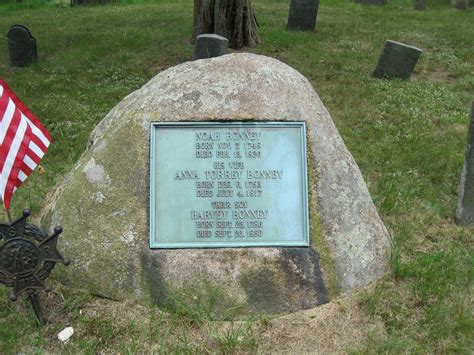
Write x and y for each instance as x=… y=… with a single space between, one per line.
x=231 y=184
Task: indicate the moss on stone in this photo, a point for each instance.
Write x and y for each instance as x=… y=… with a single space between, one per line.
x=157 y=290
x=316 y=232
x=263 y=292
x=92 y=234
x=203 y=300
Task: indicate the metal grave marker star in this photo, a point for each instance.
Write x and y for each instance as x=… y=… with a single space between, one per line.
x=27 y=257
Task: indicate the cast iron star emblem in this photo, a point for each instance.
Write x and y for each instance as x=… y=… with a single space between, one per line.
x=27 y=257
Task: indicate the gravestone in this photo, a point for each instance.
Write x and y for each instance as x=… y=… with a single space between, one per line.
x=465 y=208
x=371 y=2
x=460 y=4
x=90 y=2
x=21 y=46
x=303 y=14
x=419 y=5
x=246 y=195
x=397 y=60
x=209 y=46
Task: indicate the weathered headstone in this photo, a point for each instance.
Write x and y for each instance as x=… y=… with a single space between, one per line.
x=237 y=207
x=397 y=60
x=419 y=5
x=371 y=2
x=21 y=46
x=210 y=46
x=90 y=2
x=465 y=208
x=303 y=14
x=460 y=4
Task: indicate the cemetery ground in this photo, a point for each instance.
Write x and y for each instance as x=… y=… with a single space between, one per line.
x=408 y=137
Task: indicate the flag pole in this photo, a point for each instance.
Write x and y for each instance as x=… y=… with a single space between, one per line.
x=7 y=210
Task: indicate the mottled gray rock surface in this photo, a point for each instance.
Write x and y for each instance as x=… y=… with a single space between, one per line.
x=465 y=208
x=103 y=203
x=397 y=60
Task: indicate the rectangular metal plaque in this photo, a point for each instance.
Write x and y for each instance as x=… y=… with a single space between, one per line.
x=238 y=184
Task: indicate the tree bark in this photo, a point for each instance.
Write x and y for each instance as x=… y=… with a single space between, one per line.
x=233 y=19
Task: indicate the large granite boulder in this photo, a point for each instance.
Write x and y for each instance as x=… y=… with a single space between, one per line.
x=103 y=204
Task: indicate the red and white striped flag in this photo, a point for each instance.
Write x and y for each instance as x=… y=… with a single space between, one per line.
x=23 y=142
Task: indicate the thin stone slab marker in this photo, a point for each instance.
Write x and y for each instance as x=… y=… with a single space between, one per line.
x=90 y=2
x=460 y=4
x=419 y=5
x=465 y=209
x=210 y=45
x=371 y=2
x=21 y=46
x=303 y=14
x=397 y=60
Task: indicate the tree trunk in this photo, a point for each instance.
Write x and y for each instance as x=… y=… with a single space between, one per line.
x=233 y=19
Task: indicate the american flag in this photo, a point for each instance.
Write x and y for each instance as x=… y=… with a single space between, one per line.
x=23 y=142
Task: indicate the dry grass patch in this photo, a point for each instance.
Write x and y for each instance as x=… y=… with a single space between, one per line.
x=332 y=328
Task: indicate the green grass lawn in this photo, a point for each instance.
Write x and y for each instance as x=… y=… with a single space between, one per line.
x=408 y=138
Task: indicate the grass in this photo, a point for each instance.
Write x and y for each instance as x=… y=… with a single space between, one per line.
x=408 y=138
x=100 y=326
